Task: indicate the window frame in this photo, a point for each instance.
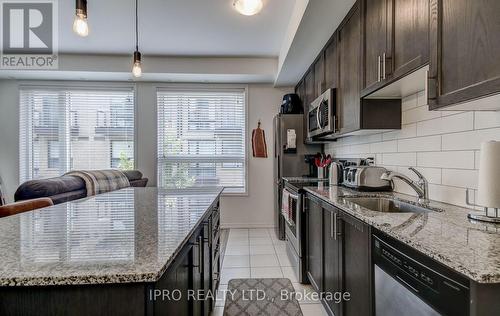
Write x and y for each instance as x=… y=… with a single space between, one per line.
x=76 y=85
x=211 y=88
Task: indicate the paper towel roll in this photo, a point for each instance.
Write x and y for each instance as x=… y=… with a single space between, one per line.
x=489 y=175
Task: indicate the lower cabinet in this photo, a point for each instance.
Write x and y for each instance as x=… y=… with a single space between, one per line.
x=356 y=246
x=338 y=258
x=332 y=257
x=314 y=243
x=194 y=274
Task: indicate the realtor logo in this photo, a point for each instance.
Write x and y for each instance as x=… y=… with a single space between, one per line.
x=28 y=34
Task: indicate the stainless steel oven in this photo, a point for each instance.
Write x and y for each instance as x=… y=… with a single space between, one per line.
x=293 y=213
x=322 y=115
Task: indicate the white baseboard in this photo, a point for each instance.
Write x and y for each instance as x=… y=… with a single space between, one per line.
x=245 y=225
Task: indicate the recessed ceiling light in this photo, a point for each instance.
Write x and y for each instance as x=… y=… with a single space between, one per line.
x=248 y=7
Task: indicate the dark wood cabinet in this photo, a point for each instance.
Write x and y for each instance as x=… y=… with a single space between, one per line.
x=177 y=278
x=348 y=91
x=395 y=40
x=319 y=76
x=410 y=49
x=464 y=63
x=376 y=44
x=339 y=257
x=332 y=257
x=309 y=89
x=356 y=265
x=314 y=243
x=331 y=63
x=300 y=90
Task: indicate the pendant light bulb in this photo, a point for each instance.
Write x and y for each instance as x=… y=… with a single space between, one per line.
x=248 y=7
x=137 y=68
x=80 y=24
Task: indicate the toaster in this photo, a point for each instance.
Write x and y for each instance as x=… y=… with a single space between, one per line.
x=366 y=178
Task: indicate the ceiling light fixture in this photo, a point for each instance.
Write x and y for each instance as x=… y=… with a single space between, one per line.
x=248 y=7
x=136 y=69
x=80 y=25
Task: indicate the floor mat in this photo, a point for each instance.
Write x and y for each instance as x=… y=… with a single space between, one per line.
x=252 y=297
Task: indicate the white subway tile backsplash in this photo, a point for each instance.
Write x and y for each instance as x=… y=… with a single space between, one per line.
x=421 y=98
x=446 y=159
x=433 y=175
x=443 y=146
x=486 y=119
x=421 y=113
x=477 y=159
x=384 y=147
x=409 y=102
x=447 y=124
x=400 y=159
x=430 y=143
x=406 y=131
x=447 y=194
x=469 y=140
x=360 y=149
x=460 y=178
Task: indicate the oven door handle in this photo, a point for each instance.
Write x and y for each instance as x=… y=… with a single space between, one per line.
x=317 y=117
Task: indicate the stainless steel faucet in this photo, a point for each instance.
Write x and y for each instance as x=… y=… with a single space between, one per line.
x=421 y=186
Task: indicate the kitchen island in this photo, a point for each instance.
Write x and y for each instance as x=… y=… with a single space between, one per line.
x=112 y=254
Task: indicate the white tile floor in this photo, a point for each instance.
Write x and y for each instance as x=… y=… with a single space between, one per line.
x=257 y=253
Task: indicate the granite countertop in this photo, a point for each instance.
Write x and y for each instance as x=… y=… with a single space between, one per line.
x=470 y=248
x=130 y=235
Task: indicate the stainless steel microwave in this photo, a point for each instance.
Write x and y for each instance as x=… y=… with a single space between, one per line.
x=322 y=115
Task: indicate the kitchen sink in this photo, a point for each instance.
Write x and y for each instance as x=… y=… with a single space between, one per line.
x=387 y=205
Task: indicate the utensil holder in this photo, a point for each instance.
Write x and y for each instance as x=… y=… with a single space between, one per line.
x=491 y=215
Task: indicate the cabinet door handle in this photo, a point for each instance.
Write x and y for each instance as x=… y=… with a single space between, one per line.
x=335 y=225
x=378 y=67
x=200 y=254
x=331 y=225
x=383 y=67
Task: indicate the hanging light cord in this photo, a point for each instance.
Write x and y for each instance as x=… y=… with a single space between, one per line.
x=136 y=26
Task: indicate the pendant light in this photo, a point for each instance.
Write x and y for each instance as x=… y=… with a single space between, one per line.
x=80 y=25
x=136 y=69
x=248 y=7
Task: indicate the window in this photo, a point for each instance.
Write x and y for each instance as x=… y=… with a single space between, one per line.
x=201 y=138
x=122 y=155
x=62 y=129
x=53 y=154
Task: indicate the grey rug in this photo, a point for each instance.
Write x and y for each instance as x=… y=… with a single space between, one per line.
x=252 y=297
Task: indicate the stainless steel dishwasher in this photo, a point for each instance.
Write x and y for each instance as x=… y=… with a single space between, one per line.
x=411 y=284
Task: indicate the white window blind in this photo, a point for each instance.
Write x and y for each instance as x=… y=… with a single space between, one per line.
x=63 y=129
x=201 y=139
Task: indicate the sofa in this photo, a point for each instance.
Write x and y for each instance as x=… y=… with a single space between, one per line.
x=66 y=188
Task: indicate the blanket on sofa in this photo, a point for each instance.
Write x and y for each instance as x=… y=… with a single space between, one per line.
x=101 y=181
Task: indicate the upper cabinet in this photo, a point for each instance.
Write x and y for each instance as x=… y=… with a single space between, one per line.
x=395 y=41
x=348 y=97
x=465 y=45
x=319 y=76
x=410 y=40
x=376 y=44
x=331 y=63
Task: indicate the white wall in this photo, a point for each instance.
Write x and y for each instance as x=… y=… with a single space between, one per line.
x=443 y=145
x=253 y=210
x=256 y=209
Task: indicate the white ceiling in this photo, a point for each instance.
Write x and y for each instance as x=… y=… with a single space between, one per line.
x=177 y=27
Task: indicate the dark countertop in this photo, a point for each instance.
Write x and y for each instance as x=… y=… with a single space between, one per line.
x=470 y=248
x=130 y=235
